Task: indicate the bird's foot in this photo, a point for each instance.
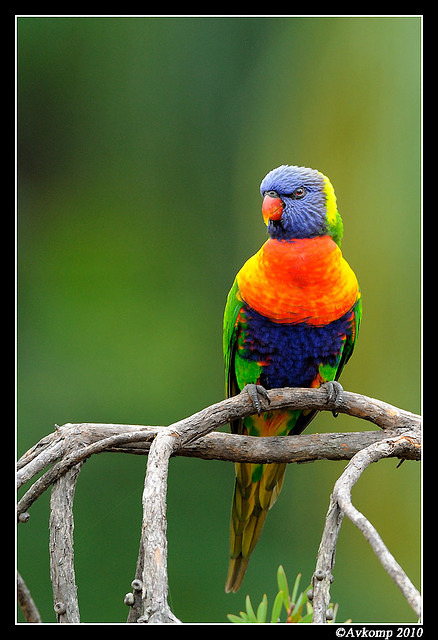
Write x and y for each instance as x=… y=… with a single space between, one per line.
x=335 y=393
x=255 y=392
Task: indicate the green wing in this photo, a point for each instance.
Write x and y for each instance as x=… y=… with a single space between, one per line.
x=238 y=371
x=232 y=308
x=351 y=339
x=231 y=326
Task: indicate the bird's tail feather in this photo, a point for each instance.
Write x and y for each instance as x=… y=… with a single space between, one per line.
x=256 y=489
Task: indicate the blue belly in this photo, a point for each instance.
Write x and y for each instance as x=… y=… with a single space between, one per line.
x=292 y=353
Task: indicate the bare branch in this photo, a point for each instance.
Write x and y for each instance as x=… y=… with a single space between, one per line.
x=380 y=413
x=154 y=542
x=220 y=446
x=156 y=608
x=340 y=505
x=71 y=444
x=29 y=465
x=93 y=438
x=61 y=525
x=69 y=460
x=26 y=602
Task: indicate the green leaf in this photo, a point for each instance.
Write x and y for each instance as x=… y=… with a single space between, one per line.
x=232 y=618
x=249 y=610
x=283 y=586
x=295 y=589
x=300 y=600
x=276 y=607
x=298 y=608
x=262 y=609
x=297 y=611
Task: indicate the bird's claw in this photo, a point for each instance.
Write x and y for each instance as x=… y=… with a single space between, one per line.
x=254 y=391
x=335 y=393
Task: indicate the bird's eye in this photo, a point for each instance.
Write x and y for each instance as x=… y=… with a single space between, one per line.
x=299 y=192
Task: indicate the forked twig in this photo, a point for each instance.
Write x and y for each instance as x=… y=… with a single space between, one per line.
x=340 y=505
x=71 y=444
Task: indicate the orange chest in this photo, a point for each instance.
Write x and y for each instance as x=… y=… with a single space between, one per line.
x=304 y=280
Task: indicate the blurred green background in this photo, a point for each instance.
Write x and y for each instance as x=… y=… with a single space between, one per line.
x=141 y=145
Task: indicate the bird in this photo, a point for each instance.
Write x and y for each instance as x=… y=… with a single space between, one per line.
x=291 y=319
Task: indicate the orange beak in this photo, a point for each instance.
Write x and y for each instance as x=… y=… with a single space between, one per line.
x=272 y=208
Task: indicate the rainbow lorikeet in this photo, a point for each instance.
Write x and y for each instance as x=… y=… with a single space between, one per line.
x=291 y=320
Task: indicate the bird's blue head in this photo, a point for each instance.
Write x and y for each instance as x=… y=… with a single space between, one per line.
x=299 y=203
